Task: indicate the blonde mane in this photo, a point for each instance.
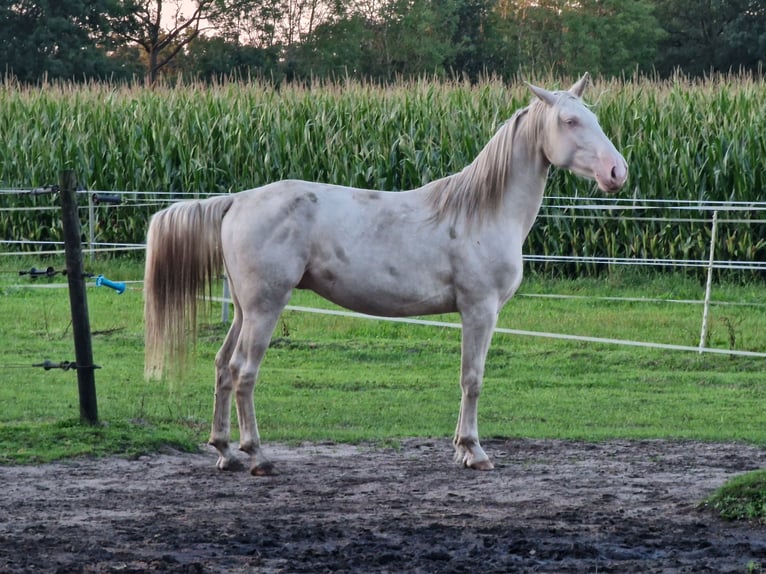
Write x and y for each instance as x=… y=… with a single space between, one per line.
x=478 y=189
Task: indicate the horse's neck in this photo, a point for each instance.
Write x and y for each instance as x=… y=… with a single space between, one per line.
x=524 y=189
x=505 y=181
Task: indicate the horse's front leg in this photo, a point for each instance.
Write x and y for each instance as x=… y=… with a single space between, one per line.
x=477 y=334
x=221 y=432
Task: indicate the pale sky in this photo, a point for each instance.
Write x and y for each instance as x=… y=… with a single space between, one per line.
x=169 y=9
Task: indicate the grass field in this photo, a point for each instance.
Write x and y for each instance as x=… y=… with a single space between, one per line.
x=350 y=379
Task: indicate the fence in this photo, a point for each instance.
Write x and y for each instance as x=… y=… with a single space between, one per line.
x=714 y=214
x=84 y=366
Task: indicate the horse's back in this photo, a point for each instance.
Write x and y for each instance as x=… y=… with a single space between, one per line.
x=294 y=210
x=375 y=252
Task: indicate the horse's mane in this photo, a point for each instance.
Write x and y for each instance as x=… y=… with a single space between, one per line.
x=478 y=189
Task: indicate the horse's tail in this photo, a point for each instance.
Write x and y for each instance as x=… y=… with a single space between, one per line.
x=183 y=258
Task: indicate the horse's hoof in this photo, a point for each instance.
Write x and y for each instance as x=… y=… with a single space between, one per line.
x=264 y=469
x=482 y=465
x=231 y=464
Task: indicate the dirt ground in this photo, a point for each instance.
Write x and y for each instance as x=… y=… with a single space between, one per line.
x=549 y=506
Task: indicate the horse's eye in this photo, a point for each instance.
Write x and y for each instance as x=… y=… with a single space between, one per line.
x=571 y=122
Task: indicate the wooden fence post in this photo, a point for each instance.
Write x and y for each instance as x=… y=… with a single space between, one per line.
x=78 y=300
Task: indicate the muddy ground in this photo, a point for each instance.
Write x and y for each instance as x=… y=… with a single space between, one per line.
x=550 y=506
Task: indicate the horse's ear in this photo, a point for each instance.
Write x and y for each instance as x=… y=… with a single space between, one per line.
x=579 y=86
x=543 y=94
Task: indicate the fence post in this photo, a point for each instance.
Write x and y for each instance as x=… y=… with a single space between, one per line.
x=91 y=227
x=225 y=297
x=78 y=301
x=708 y=285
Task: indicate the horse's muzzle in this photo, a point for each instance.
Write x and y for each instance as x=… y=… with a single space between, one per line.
x=613 y=176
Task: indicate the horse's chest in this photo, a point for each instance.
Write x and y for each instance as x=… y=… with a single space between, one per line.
x=489 y=272
x=508 y=278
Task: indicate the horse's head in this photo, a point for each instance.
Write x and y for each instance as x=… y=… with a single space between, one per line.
x=573 y=138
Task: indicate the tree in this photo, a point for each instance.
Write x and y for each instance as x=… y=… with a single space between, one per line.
x=58 y=39
x=255 y=23
x=211 y=58
x=284 y=26
x=417 y=36
x=533 y=33
x=609 y=37
x=472 y=39
x=163 y=28
x=377 y=39
x=341 y=48
x=745 y=37
x=711 y=35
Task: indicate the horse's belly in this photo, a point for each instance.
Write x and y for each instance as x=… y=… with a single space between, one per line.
x=385 y=297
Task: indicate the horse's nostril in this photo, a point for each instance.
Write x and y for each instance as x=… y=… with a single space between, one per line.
x=614 y=172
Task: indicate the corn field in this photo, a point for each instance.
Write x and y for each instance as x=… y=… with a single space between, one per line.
x=683 y=140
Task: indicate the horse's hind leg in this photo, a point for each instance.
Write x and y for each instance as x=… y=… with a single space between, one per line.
x=221 y=431
x=257 y=326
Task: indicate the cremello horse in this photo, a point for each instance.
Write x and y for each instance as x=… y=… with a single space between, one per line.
x=453 y=245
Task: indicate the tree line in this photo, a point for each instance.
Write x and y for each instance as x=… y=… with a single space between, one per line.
x=379 y=40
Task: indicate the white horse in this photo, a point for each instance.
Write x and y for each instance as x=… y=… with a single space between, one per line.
x=453 y=245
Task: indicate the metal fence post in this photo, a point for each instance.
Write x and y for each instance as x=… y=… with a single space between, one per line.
x=91 y=227
x=225 y=301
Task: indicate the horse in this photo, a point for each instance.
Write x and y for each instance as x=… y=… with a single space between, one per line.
x=452 y=245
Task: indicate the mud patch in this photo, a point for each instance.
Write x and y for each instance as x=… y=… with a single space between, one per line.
x=549 y=506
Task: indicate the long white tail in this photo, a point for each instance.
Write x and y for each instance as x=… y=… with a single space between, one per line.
x=183 y=258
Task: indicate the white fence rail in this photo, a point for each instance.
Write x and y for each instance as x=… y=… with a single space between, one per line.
x=553 y=208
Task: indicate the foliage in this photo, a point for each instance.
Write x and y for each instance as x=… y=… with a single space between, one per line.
x=684 y=140
x=62 y=39
x=610 y=37
x=216 y=58
x=703 y=36
x=477 y=37
x=377 y=40
x=604 y=37
x=163 y=31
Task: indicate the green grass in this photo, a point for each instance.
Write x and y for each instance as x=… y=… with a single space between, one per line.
x=348 y=379
x=742 y=498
